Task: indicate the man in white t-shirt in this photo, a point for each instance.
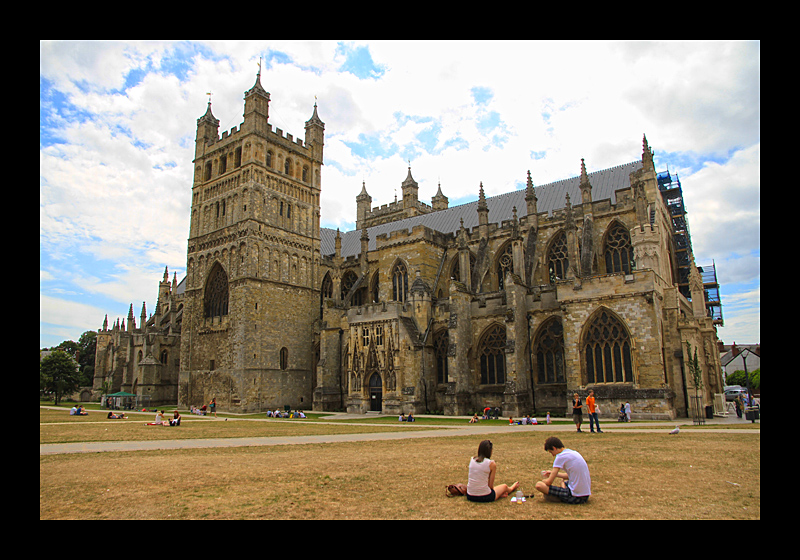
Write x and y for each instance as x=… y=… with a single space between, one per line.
x=578 y=485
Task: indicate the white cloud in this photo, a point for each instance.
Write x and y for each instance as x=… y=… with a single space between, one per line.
x=723 y=205
x=116 y=161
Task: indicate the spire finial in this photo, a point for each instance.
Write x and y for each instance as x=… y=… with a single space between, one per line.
x=481 y=199
x=647 y=153
x=530 y=194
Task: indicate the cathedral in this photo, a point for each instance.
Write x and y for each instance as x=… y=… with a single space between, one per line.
x=514 y=301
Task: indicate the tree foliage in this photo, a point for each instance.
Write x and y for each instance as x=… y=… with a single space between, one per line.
x=58 y=374
x=737 y=378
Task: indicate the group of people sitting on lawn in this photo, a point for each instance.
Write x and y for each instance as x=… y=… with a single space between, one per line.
x=159 y=421
x=78 y=410
x=404 y=418
x=286 y=414
x=526 y=420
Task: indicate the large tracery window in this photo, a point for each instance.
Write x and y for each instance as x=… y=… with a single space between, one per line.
x=505 y=264
x=492 y=356
x=607 y=350
x=549 y=352
x=216 y=297
x=348 y=281
x=619 y=253
x=558 y=257
x=400 y=282
x=441 y=343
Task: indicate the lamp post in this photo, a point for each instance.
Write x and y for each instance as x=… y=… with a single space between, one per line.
x=752 y=414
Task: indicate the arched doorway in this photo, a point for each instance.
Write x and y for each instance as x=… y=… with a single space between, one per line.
x=375 y=392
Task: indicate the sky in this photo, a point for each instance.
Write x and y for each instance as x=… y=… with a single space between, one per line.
x=117 y=123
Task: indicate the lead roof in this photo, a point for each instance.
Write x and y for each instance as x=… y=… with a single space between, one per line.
x=550 y=197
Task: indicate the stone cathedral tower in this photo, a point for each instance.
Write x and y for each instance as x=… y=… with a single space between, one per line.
x=252 y=287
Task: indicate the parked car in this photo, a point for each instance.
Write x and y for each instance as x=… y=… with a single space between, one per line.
x=732 y=394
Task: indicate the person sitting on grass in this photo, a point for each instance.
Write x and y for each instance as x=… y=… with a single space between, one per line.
x=176 y=419
x=159 y=421
x=482 y=470
x=578 y=485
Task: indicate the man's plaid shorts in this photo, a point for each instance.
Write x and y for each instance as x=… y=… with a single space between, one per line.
x=565 y=495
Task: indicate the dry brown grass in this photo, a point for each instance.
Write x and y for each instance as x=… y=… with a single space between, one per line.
x=58 y=427
x=634 y=476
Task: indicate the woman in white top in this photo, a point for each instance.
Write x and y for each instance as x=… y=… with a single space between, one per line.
x=480 y=487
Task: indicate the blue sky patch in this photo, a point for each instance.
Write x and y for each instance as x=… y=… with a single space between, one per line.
x=481 y=95
x=488 y=122
x=276 y=57
x=358 y=61
x=372 y=146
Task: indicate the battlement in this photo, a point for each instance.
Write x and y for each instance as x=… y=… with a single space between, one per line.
x=417 y=233
x=277 y=136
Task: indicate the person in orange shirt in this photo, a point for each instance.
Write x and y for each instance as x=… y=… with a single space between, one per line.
x=592 y=413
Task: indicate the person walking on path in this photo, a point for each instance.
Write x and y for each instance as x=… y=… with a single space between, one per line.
x=213 y=406
x=593 y=421
x=577 y=415
x=482 y=470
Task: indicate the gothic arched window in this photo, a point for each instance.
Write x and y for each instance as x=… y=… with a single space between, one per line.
x=373 y=290
x=327 y=286
x=491 y=351
x=326 y=291
x=549 y=352
x=607 y=350
x=558 y=257
x=441 y=343
x=619 y=254
x=348 y=281
x=216 y=297
x=400 y=282
x=505 y=264
x=455 y=271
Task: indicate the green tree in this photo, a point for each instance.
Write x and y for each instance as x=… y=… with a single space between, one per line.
x=737 y=378
x=696 y=373
x=83 y=351
x=58 y=373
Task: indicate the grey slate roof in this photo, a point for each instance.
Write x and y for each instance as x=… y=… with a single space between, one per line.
x=550 y=197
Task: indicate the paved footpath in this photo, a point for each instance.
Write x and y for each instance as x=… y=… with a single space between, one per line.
x=469 y=430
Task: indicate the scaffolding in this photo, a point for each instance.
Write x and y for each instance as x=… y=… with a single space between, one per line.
x=711 y=291
x=671 y=192
x=673 y=198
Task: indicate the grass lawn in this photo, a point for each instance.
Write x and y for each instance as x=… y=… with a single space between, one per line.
x=57 y=426
x=694 y=475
